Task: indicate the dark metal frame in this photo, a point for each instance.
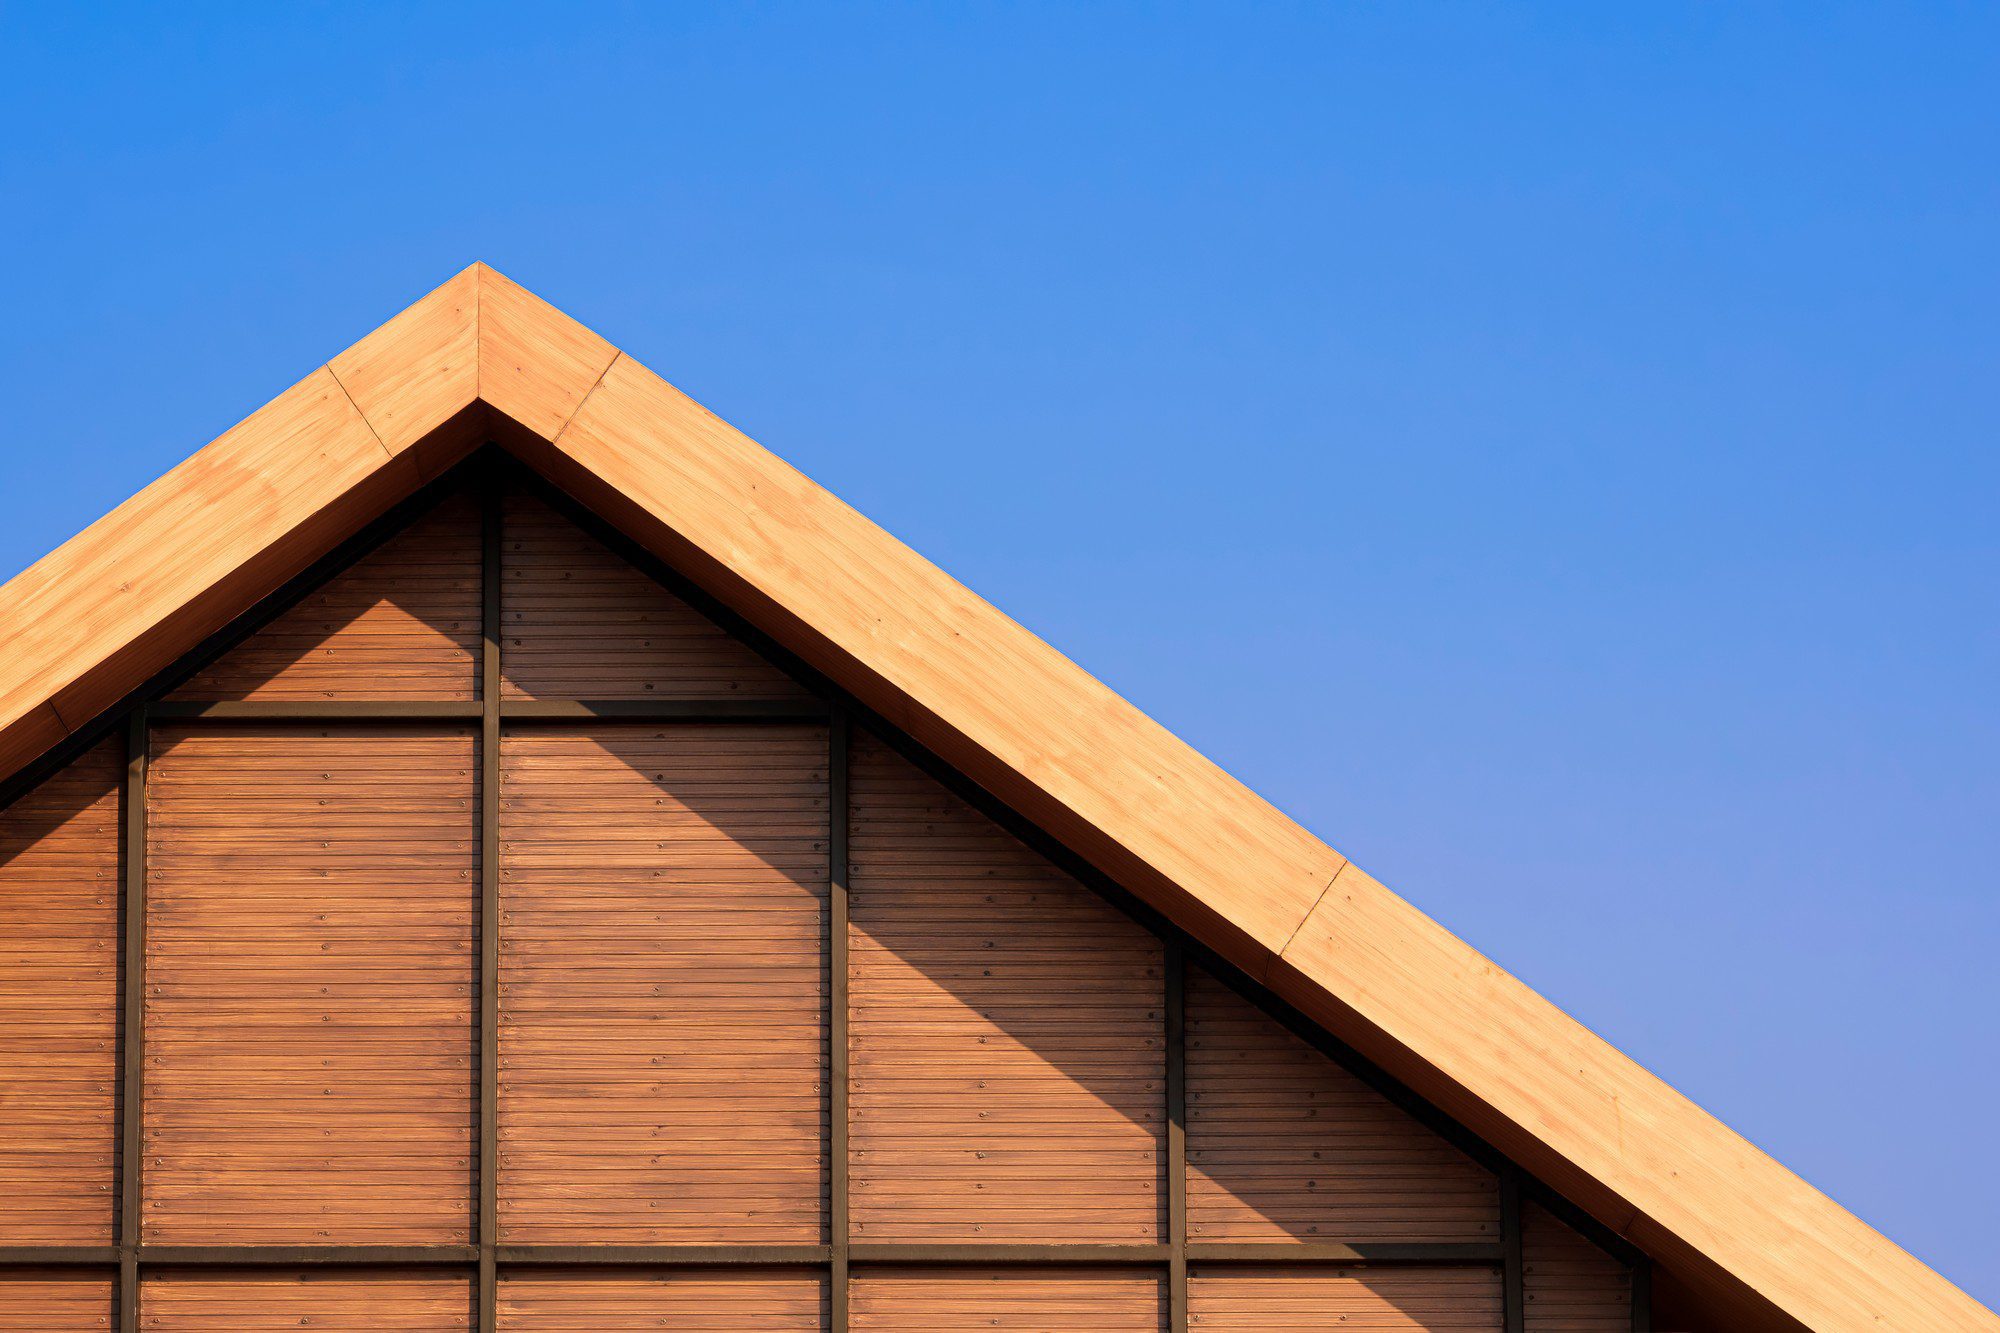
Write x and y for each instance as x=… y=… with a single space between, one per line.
x=492 y=473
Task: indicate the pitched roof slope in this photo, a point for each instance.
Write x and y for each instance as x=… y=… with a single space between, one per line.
x=1747 y=1243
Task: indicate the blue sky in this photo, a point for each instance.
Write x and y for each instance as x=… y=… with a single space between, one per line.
x=1549 y=450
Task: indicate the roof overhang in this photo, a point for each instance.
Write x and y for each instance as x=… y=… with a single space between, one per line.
x=1744 y=1242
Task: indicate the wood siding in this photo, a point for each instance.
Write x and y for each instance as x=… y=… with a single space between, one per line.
x=1309 y=1299
x=690 y=1301
x=59 y=1006
x=400 y=623
x=583 y=624
x=1284 y=1144
x=1572 y=1286
x=56 y=1300
x=1008 y=1032
x=310 y=987
x=663 y=984
x=287 y=1300
x=1017 y=1300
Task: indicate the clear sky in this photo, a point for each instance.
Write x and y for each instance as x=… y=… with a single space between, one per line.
x=1549 y=450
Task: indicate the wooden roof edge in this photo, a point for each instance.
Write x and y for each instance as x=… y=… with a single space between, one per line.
x=1751 y=1242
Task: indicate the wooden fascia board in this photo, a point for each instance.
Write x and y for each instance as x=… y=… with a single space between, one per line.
x=205 y=542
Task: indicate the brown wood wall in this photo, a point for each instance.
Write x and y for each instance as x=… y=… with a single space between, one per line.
x=401 y=623
x=1312 y=1298
x=310 y=985
x=1008 y=1032
x=59 y=1006
x=693 y=1301
x=311 y=1016
x=1284 y=1144
x=1018 y=1300
x=56 y=1300
x=1571 y=1285
x=583 y=624
x=663 y=984
x=287 y=1300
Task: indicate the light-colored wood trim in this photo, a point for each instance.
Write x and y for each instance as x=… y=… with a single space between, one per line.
x=1744 y=1238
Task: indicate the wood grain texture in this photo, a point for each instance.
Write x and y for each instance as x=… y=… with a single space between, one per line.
x=287 y=1300
x=400 y=623
x=310 y=987
x=1284 y=1144
x=687 y=1300
x=1011 y=1300
x=1311 y=1298
x=56 y=1300
x=581 y=623
x=419 y=370
x=663 y=985
x=536 y=364
x=59 y=1006
x=1571 y=1285
x=1007 y=1066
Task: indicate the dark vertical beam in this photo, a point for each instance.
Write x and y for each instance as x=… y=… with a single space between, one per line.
x=489 y=901
x=1513 y=1289
x=1176 y=1167
x=1642 y=1296
x=838 y=1229
x=132 y=1004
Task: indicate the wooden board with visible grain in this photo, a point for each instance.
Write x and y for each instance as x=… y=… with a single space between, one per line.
x=287 y=1300
x=1284 y=1144
x=59 y=971
x=1571 y=1286
x=1314 y=1297
x=1007 y=1063
x=663 y=984
x=1009 y=1300
x=581 y=623
x=311 y=985
x=699 y=1300
x=57 y=1300
x=400 y=623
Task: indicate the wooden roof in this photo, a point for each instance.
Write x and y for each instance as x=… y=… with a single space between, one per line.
x=1741 y=1241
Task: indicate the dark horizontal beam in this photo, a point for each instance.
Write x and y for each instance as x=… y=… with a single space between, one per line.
x=670 y=1256
x=663 y=1256
x=317 y=710
x=512 y=710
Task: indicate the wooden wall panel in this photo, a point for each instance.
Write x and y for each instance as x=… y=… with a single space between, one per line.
x=1571 y=1285
x=287 y=1300
x=59 y=1006
x=663 y=984
x=583 y=624
x=1007 y=1064
x=57 y=1300
x=688 y=1300
x=400 y=623
x=310 y=988
x=1312 y=1298
x=1008 y=1300
x=1285 y=1144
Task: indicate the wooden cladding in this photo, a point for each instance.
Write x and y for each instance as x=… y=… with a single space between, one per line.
x=762 y=988
x=1571 y=1285
x=1284 y=1144
x=56 y=1300
x=310 y=987
x=1310 y=1298
x=1008 y=1066
x=59 y=1007
x=663 y=985
x=400 y=623
x=1009 y=1300
x=287 y=1300
x=580 y=623
x=709 y=1300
